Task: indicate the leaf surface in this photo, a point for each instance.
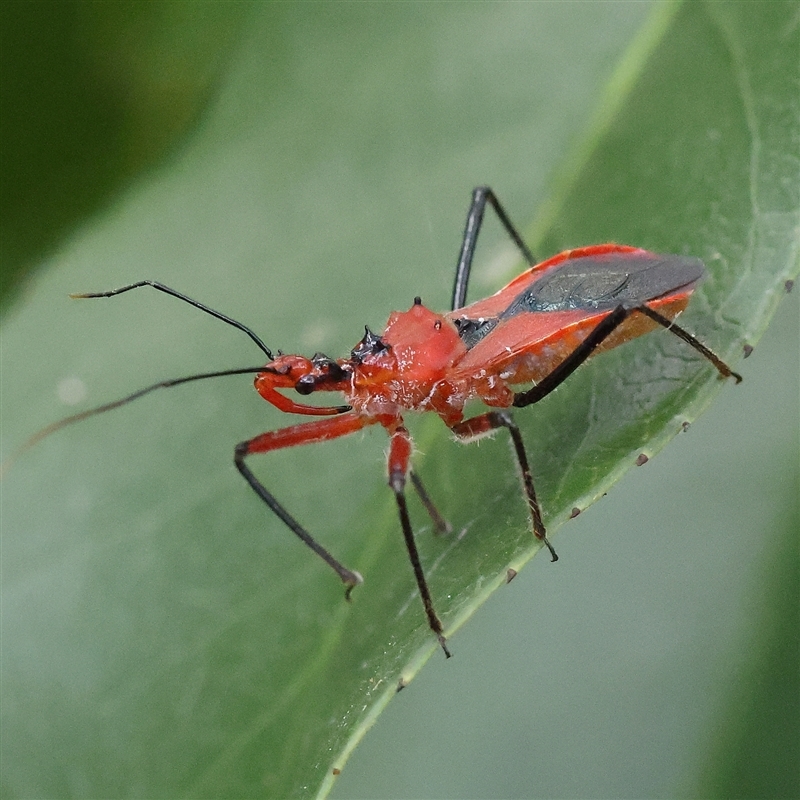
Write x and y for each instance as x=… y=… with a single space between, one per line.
x=162 y=634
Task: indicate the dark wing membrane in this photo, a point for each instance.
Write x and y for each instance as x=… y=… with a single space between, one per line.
x=595 y=283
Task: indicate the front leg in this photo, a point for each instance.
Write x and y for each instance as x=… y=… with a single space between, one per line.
x=492 y=420
x=307 y=433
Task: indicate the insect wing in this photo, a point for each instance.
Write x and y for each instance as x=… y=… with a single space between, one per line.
x=497 y=303
x=561 y=300
x=589 y=280
x=603 y=282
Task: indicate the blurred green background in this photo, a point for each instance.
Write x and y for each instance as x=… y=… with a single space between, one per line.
x=306 y=168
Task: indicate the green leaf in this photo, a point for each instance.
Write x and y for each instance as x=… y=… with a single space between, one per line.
x=162 y=634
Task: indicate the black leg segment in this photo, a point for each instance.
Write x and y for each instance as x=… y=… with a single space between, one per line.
x=585 y=349
x=480 y=197
x=724 y=370
x=397 y=484
x=349 y=578
x=492 y=420
x=440 y=524
x=597 y=336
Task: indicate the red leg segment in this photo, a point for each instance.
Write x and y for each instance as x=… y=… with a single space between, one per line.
x=321 y=430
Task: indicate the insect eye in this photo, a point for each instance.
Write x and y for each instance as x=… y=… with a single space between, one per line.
x=305 y=385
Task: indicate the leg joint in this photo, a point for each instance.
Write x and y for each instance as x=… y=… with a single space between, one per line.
x=397 y=481
x=502 y=419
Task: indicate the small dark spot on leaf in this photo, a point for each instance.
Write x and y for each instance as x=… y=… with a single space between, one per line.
x=788 y=286
x=685 y=425
x=574 y=513
x=748 y=348
x=401 y=684
x=641 y=460
x=510 y=574
x=337 y=771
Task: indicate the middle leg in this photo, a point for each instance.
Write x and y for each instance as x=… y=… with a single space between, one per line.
x=399 y=455
x=492 y=420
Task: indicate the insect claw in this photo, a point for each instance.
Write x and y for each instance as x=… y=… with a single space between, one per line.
x=351 y=584
x=443 y=643
x=553 y=554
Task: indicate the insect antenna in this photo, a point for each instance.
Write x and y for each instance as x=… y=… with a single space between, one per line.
x=48 y=430
x=174 y=293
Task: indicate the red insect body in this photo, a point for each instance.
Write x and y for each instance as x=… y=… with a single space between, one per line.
x=425 y=365
x=534 y=332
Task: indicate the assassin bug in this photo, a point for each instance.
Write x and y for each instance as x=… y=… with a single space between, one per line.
x=536 y=331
